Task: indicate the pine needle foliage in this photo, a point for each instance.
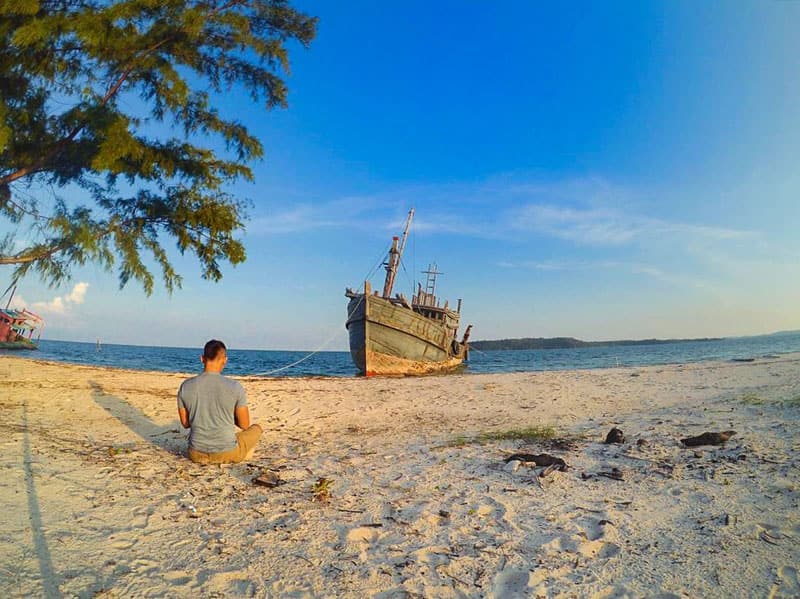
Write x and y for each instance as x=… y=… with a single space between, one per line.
x=111 y=101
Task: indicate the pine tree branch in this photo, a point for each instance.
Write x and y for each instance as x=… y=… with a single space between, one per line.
x=29 y=256
x=112 y=91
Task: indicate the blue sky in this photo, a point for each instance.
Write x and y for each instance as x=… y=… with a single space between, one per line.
x=597 y=170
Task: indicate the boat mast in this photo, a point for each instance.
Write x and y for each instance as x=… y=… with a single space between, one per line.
x=12 y=288
x=394 y=257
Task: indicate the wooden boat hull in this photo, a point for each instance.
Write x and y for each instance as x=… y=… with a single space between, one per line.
x=23 y=344
x=388 y=338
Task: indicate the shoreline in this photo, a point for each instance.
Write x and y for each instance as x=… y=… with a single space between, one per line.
x=463 y=372
x=101 y=499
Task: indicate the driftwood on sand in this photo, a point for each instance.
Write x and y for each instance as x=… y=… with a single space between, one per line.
x=541 y=459
x=708 y=439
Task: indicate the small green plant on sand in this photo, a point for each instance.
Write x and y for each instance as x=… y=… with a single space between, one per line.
x=321 y=491
x=794 y=402
x=751 y=399
x=529 y=434
x=114 y=451
x=459 y=441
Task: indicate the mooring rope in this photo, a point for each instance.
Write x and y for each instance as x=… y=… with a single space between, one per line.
x=306 y=357
x=497 y=358
x=338 y=330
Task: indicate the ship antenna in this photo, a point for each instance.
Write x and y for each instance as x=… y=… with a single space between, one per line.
x=394 y=257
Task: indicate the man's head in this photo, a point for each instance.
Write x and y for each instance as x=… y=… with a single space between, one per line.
x=215 y=355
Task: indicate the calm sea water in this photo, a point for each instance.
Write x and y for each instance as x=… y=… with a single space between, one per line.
x=273 y=363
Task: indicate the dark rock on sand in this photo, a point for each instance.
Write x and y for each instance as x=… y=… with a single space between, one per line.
x=615 y=436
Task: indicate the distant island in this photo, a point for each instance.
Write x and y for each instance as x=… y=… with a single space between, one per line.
x=569 y=343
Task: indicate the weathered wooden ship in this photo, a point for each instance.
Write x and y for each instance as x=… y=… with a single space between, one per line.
x=390 y=335
x=19 y=329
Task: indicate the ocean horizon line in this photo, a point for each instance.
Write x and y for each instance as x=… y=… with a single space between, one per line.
x=642 y=340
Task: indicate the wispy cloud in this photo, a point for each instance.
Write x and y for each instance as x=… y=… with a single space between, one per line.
x=582 y=226
x=364 y=213
x=534 y=265
x=302 y=217
x=61 y=304
x=343 y=213
x=585 y=211
x=596 y=226
x=637 y=268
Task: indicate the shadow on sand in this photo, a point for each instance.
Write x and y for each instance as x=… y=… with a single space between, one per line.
x=49 y=585
x=169 y=437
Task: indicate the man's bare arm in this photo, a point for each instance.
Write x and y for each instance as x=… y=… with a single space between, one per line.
x=241 y=416
x=184 y=416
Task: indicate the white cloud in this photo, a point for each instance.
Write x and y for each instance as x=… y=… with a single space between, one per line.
x=60 y=305
x=78 y=293
x=54 y=306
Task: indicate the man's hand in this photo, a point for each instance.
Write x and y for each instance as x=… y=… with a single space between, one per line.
x=241 y=416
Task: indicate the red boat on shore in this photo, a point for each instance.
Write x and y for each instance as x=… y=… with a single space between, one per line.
x=19 y=329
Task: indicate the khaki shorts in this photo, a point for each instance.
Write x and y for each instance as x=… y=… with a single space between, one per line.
x=246 y=443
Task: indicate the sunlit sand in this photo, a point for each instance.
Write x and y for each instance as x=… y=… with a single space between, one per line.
x=400 y=488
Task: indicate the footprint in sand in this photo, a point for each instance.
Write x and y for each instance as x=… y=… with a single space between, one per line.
x=593 y=528
x=490 y=510
x=600 y=549
x=141 y=517
x=559 y=545
x=362 y=534
x=284 y=520
x=511 y=582
x=787 y=585
x=145 y=566
x=122 y=544
x=616 y=592
x=178 y=577
x=233 y=584
x=595 y=538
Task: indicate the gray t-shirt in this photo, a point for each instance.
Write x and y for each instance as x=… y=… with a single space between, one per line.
x=210 y=398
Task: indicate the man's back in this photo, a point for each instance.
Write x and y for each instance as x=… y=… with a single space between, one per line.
x=210 y=400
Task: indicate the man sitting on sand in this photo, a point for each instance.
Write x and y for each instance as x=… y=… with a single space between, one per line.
x=210 y=405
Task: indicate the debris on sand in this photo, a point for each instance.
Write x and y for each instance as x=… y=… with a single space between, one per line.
x=708 y=439
x=614 y=474
x=540 y=459
x=615 y=435
x=268 y=479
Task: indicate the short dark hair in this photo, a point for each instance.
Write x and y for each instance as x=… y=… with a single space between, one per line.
x=212 y=349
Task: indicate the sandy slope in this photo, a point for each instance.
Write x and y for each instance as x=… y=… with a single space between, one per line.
x=98 y=500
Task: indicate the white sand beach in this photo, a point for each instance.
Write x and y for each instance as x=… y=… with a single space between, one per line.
x=98 y=499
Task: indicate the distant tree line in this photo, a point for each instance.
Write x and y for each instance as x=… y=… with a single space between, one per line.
x=569 y=343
